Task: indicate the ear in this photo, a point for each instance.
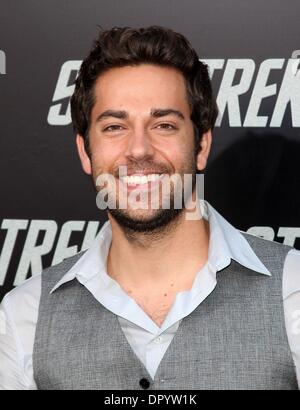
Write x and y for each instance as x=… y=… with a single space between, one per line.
x=204 y=150
x=84 y=158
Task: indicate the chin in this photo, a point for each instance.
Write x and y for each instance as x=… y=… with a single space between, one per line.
x=144 y=220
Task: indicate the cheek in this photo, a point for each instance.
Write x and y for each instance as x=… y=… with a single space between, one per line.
x=185 y=159
x=184 y=153
x=104 y=157
x=178 y=154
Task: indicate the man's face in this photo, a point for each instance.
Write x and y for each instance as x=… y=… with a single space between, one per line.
x=141 y=119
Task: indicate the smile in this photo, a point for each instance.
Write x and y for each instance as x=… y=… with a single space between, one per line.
x=133 y=180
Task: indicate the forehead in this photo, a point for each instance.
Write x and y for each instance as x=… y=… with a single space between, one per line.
x=140 y=88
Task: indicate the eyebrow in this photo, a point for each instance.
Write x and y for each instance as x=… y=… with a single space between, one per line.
x=155 y=113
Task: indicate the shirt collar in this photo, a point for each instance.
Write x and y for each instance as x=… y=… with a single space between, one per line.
x=92 y=262
x=226 y=243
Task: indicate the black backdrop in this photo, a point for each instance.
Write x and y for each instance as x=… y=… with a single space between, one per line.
x=47 y=206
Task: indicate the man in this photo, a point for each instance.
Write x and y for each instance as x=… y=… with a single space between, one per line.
x=161 y=300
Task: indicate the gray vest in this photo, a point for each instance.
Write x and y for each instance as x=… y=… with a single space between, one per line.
x=235 y=339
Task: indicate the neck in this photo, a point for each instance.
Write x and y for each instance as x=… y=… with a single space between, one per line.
x=169 y=258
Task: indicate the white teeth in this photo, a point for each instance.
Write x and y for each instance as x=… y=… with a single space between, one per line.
x=140 y=179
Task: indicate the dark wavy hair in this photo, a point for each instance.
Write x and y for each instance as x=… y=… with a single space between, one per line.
x=126 y=46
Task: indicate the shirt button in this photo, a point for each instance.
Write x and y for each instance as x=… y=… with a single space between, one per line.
x=158 y=339
x=144 y=383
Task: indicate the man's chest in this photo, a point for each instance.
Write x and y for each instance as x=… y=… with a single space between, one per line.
x=155 y=306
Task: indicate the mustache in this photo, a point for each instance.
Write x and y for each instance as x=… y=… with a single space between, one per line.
x=141 y=167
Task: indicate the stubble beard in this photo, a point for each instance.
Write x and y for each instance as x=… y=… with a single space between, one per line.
x=154 y=223
x=157 y=223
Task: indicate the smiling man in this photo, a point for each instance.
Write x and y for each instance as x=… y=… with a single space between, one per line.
x=160 y=300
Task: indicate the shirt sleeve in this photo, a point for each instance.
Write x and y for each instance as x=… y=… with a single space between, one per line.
x=291 y=301
x=11 y=372
x=18 y=319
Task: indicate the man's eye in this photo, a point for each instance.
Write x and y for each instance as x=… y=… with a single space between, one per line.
x=113 y=128
x=167 y=126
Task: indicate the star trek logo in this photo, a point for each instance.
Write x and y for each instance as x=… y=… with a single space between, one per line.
x=240 y=83
x=56 y=240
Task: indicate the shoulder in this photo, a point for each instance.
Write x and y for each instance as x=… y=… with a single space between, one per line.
x=272 y=254
x=63 y=266
x=55 y=273
x=291 y=273
x=290 y=256
x=26 y=297
x=272 y=251
x=294 y=255
x=263 y=243
x=23 y=298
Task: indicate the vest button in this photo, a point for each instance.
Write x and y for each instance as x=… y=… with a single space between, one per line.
x=144 y=383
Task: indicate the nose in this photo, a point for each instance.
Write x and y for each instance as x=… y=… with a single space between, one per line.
x=139 y=144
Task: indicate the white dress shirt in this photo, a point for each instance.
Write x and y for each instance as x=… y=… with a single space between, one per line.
x=19 y=309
